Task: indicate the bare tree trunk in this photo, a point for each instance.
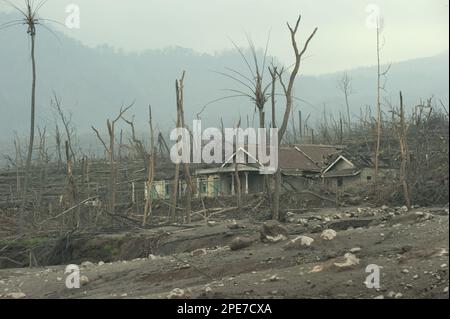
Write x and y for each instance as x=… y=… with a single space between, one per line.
x=378 y=128
x=151 y=169
x=289 y=99
x=402 y=134
x=32 y=122
x=173 y=200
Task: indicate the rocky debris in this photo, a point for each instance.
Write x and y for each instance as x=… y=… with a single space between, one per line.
x=299 y=242
x=272 y=278
x=379 y=297
x=198 y=252
x=355 y=250
x=101 y=263
x=349 y=261
x=273 y=231
x=316 y=229
x=422 y=254
x=84 y=280
x=240 y=243
x=87 y=264
x=211 y=223
x=176 y=293
x=15 y=295
x=328 y=234
x=233 y=225
x=153 y=257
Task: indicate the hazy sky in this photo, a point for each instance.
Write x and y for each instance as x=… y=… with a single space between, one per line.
x=413 y=28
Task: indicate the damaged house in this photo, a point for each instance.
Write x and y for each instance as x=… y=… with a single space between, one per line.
x=302 y=167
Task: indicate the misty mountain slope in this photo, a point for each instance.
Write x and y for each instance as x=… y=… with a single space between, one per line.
x=94 y=82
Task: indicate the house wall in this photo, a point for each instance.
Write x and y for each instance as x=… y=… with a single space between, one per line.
x=298 y=183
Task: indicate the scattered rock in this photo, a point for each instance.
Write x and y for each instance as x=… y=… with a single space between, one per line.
x=445 y=290
x=317 y=268
x=273 y=231
x=15 y=295
x=274 y=278
x=87 y=264
x=316 y=229
x=398 y=295
x=84 y=280
x=328 y=234
x=405 y=271
x=379 y=297
x=233 y=225
x=349 y=261
x=299 y=242
x=176 y=293
x=153 y=257
x=198 y=252
x=211 y=223
x=101 y=263
x=355 y=250
x=240 y=243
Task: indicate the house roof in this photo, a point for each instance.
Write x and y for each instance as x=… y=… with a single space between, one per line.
x=313 y=158
x=294 y=159
x=342 y=173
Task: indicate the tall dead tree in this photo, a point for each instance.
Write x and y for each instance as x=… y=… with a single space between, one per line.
x=289 y=100
x=179 y=124
x=402 y=133
x=29 y=18
x=151 y=172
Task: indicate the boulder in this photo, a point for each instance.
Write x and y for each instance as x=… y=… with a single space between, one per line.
x=87 y=264
x=15 y=295
x=240 y=243
x=328 y=234
x=176 y=293
x=299 y=242
x=198 y=252
x=273 y=231
x=349 y=261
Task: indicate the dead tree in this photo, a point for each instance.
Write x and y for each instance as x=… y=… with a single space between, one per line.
x=380 y=87
x=72 y=192
x=179 y=124
x=151 y=172
x=66 y=121
x=402 y=133
x=110 y=151
x=289 y=100
x=58 y=145
x=345 y=86
x=237 y=179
